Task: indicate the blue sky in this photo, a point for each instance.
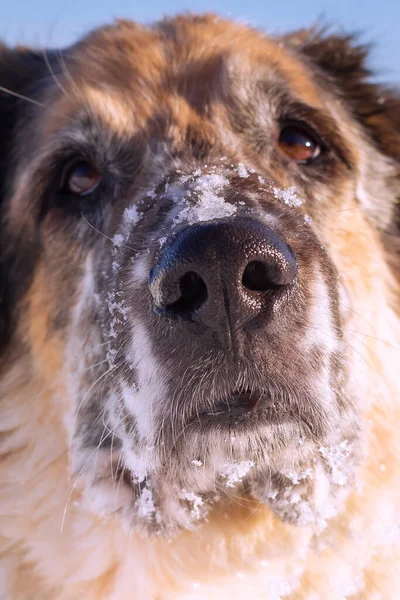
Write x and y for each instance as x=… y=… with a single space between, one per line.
x=60 y=22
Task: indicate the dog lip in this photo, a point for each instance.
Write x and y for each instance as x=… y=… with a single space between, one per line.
x=239 y=404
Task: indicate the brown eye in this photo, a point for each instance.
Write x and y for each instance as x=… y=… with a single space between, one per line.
x=298 y=144
x=82 y=178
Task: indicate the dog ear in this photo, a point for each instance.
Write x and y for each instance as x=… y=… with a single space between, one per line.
x=21 y=72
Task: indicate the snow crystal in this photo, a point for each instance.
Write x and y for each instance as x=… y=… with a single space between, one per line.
x=118 y=307
x=288 y=196
x=145 y=505
x=196 y=501
x=242 y=171
x=137 y=466
x=296 y=478
x=292 y=506
x=118 y=240
x=131 y=215
x=307 y=219
x=118 y=312
x=111 y=354
x=234 y=472
x=197 y=463
x=208 y=208
x=336 y=457
x=210 y=204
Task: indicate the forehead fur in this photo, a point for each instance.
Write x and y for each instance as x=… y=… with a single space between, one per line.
x=174 y=59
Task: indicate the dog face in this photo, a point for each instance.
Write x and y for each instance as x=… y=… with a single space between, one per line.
x=190 y=210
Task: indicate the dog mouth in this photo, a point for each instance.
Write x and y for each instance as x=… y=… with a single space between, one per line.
x=240 y=405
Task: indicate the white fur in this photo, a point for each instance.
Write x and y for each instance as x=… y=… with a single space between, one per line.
x=150 y=387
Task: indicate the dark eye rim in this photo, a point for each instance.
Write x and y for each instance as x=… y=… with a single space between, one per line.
x=310 y=132
x=67 y=171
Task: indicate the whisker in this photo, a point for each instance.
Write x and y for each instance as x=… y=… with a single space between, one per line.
x=103 y=234
x=53 y=75
x=21 y=96
x=75 y=483
x=66 y=72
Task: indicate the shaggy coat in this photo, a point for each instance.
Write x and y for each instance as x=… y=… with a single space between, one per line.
x=119 y=478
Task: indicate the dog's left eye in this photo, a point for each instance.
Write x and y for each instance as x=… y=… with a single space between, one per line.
x=81 y=178
x=298 y=143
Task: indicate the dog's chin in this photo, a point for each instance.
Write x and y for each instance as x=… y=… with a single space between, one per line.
x=270 y=449
x=165 y=488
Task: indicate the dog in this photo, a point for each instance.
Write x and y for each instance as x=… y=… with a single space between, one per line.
x=199 y=317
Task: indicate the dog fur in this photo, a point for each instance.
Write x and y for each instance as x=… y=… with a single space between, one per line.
x=170 y=111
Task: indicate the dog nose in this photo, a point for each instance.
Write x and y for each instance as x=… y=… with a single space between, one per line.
x=227 y=270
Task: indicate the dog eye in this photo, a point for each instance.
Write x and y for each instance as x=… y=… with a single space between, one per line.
x=81 y=178
x=298 y=144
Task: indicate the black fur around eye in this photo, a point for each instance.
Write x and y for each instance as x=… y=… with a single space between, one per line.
x=81 y=178
x=298 y=143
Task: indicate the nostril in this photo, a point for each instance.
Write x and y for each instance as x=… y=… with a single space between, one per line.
x=221 y=274
x=193 y=294
x=258 y=276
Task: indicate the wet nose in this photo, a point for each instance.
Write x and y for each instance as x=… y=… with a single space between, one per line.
x=228 y=270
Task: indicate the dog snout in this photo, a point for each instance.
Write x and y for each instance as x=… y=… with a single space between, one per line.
x=227 y=270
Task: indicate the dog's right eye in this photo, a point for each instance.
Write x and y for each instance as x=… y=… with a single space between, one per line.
x=81 y=178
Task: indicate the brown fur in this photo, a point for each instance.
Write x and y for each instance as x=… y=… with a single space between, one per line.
x=157 y=102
